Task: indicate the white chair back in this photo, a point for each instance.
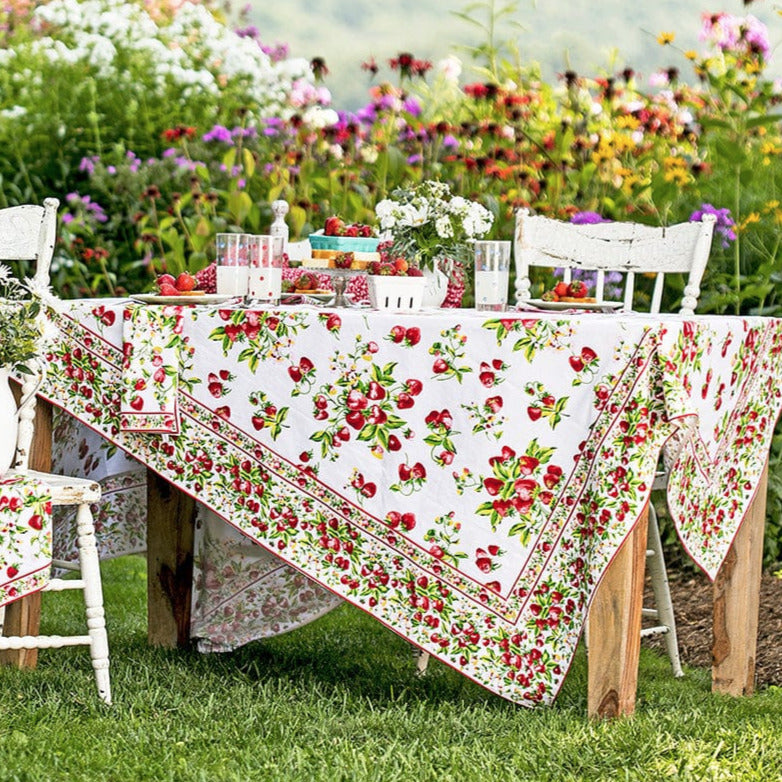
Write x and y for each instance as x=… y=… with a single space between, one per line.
x=628 y=248
x=28 y=233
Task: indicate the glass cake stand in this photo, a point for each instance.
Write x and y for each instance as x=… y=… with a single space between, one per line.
x=339 y=279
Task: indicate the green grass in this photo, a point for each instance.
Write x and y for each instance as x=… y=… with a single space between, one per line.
x=338 y=700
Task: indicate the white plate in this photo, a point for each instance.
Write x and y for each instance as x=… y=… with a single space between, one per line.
x=600 y=306
x=296 y=295
x=204 y=298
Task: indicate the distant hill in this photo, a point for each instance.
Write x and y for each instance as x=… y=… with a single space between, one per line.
x=590 y=37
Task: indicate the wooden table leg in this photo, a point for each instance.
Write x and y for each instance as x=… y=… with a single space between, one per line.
x=170 y=529
x=23 y=617
x=615 y=629
x=737 y=601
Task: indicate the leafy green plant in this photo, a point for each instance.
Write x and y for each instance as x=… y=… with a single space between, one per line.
x=21 y=329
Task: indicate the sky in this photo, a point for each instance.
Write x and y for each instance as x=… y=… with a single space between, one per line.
x=591 y=37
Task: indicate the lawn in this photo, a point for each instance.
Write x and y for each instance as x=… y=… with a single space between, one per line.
x=338 y=700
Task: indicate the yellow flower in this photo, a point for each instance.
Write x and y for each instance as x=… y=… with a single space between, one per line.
x=690 y=54
x=752 y=217
x=665 y=38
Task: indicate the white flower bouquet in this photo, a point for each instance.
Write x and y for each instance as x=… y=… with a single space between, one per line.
x=427 y=223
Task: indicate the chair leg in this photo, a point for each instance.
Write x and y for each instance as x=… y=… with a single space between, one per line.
x=93 y=600
x=662 y=592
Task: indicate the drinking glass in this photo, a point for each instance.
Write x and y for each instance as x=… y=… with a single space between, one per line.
x=231 y=262
x=264 y=283
x=492 y=271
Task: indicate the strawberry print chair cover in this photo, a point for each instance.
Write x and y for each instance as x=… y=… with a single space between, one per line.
x=25 y=538
x=464 y=479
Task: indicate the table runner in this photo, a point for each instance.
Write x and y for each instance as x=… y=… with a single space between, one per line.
x=465 y=480
x=25 y=538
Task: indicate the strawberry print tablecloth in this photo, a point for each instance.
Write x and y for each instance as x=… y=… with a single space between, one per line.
x=464 y=479
x=25 y=538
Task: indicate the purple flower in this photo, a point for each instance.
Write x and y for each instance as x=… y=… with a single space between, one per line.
x=412 y=106
x=724 y=225
x=587 y=218
x=251 y=31
x=218 y=133
x=450 y=142
x=367 y=114
x=88 y=164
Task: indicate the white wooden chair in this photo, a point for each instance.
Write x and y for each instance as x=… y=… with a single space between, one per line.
x=27 y=233
x=631 y=249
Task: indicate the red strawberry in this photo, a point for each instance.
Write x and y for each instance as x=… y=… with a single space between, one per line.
x=375 y=391
x=534 y=413
x=494 y=403
x=561 y=289
x=398 y=333
x=166 y=279
x=404 y=401
x=439 y=366
x=418 y=471
x=137 y=403
x=493 y=485
x=577 y=289
x=36 y=522
x=483 y=564
x=356 y=400
x=446 y=457
x=377 y=415
x=414 y=387
x=576 y=363
x=393 y=443
x=186 y=282
x=413 y=335
x=333 y=226
x=355 y=419
x=168 y=290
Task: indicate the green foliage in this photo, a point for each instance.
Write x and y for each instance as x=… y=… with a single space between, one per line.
x=20 y=326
